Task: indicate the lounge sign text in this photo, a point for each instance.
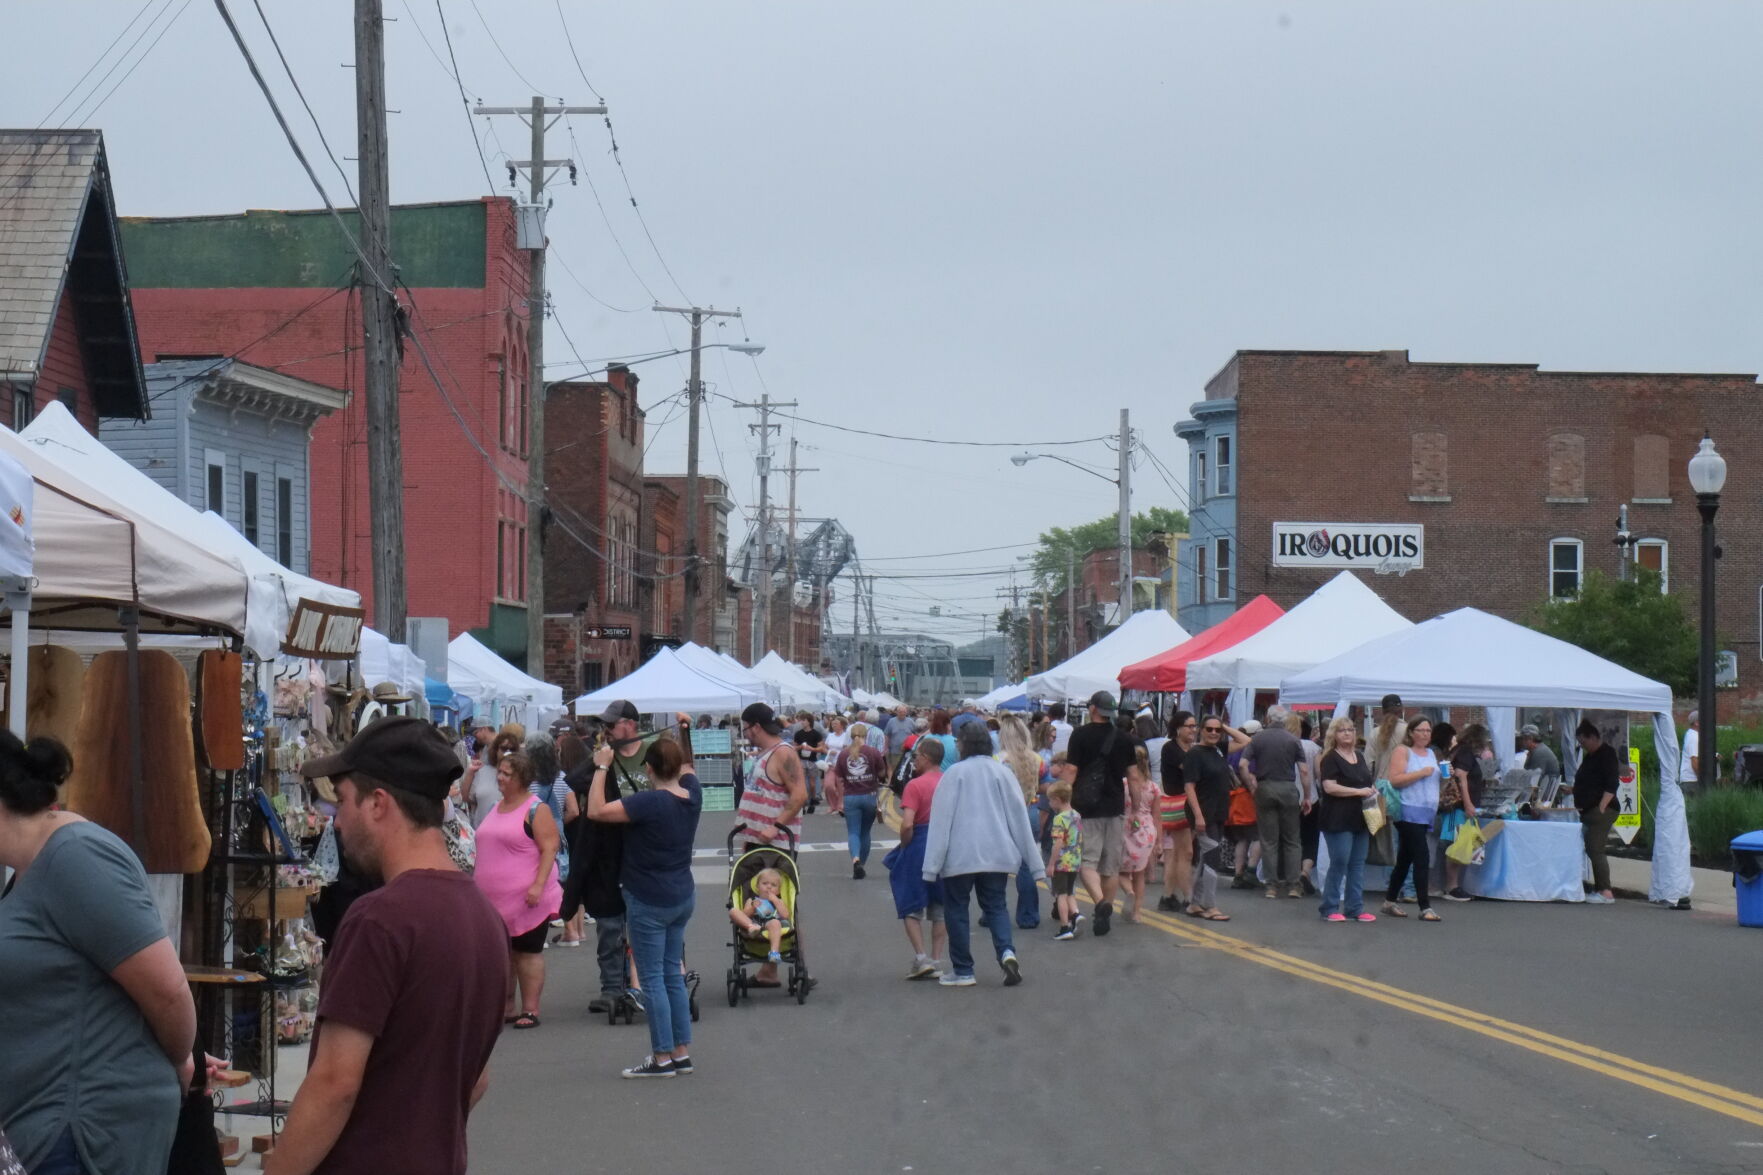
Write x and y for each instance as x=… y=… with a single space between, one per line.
x=1384 y=548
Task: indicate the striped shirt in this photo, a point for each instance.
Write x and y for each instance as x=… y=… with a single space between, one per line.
x=764 y=800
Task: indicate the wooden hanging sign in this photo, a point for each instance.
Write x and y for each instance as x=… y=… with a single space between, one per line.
x=324 y=632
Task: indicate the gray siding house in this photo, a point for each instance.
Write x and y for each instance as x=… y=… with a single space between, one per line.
x=230 y=437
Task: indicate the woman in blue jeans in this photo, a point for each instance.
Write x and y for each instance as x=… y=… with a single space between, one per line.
x=656 y=875
x=860 y=770
x=1346 y=785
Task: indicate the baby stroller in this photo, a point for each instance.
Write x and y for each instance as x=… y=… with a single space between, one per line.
x=628 y=1005
x=752 y=951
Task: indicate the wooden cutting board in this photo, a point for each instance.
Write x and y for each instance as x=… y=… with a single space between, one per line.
x=52 y=693
x=219 y=676
x=177 y=838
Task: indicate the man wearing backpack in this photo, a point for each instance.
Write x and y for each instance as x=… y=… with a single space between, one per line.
x=1101 y=752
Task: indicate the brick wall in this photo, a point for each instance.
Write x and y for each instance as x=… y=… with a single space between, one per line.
x=452 y=499
x=1495 y=461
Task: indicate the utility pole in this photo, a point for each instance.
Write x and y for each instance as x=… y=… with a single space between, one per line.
x=379 y=323
x=532 y=234
x=694 y=399
x=790 y=563
x=1126 y=568
x=765 y=406
x=1070 y=602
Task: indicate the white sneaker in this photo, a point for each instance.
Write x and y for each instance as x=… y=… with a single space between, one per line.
x=922 y=969
x=950 y=979
x=1598 y=899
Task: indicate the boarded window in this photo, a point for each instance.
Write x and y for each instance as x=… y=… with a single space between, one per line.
x=1566 y=465
x=1431 y=470
x=1652 y=467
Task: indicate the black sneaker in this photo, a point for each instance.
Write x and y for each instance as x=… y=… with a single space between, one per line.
x=1066 y=934
x=650 y=1069
x=1241 y=881
x=682 y=1065
x=1012 y=969
x=1170 y=904
x=1104 y=915
x=857 y=870
x=1309 y=886
x=1459 y=895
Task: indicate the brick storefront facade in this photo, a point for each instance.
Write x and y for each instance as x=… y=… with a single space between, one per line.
x=271 y=287
x=1502 y=464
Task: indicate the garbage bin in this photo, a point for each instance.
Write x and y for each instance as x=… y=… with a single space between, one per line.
x=1747 y=877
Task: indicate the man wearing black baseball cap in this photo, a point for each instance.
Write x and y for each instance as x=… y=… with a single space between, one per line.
x=1101 y=752
x=414 y=983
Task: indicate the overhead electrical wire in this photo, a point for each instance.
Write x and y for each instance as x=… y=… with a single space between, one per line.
x=499 y=49
x=569 y=39
x=301 y=94
x=934 y=440
x=470 y=123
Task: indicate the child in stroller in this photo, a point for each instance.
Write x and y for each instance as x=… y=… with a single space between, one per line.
x=766 y=914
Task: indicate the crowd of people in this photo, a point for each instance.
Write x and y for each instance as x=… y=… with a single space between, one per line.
x=476 y=854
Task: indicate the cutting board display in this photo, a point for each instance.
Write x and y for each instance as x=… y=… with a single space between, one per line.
x=177 y=839
x=221 y=713
x=52 y=693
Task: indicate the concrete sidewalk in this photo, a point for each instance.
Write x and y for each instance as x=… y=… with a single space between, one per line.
x=1713 y=893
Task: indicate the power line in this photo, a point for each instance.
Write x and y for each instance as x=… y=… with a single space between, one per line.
x=635 y=207
x=301 y=94
x=936 y=440
x=342 y=284
x=588 y=174
x=570 y=41
x=950 y=554
x=82 y=115
x=581 y=285
x=465 y=102
x=499 y=49
x=288 y=133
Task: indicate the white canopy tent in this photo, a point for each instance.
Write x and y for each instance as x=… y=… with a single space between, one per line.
x=885 y=701
x=497 y=689
x=1471 y=658
x=798 y=689
x=1001 y=695
x=662 y=685
x=716 y=667
x=1339 y=616
x=1145 y=634
x=383 y=660
x=273 y=591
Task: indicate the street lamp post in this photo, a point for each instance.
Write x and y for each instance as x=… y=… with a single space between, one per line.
x=1707 y=479
x=1123 y=482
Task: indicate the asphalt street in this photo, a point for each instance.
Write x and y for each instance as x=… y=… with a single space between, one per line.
x=1511 y=1037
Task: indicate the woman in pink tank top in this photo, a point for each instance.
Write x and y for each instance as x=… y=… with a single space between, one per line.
x=517 y=870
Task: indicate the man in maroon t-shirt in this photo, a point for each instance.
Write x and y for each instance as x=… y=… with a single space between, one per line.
x=415 y=982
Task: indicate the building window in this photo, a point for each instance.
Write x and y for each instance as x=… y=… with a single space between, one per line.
x=214 y=462
x=248 y=509
x=501 y=559
x=23 y=406
x=1652 y=469
x=1566 y=467
x=1429 y=465
x=1566 y=568
x=284 y=521
x=1221 y=465
x=1200 y=585
x=1200 y=473
x=520 y=559
x=1221 y=558
x=502 y=402
x=1655 y=555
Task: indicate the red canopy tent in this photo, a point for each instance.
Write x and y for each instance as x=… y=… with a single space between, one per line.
x=1168 y=672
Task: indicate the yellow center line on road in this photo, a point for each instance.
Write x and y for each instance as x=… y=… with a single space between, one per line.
x=1681 y=1086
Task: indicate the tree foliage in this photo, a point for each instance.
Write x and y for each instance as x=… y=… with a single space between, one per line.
x=1634 y=624
x=1061 y=547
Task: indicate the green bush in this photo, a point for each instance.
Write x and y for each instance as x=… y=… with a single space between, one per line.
x=1718 y=815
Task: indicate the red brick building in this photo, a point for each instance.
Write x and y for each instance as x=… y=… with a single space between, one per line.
x=273 y=288
x=714 y=625
x=595 y=583
x=67 y=327
x=1516 y=475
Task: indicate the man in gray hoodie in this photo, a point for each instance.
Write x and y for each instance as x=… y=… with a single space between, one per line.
x=979 y=837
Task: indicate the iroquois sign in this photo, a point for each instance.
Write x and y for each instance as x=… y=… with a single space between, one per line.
x=1385 y=548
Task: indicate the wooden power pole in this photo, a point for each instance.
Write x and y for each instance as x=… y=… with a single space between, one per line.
x=379 y=321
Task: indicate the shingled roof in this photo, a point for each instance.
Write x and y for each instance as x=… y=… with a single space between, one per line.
x=58 y=239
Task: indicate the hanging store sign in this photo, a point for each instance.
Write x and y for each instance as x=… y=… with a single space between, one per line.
x=323 y=631
x=1391 y=548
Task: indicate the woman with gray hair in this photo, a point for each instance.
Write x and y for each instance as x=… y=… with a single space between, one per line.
x=979 y=835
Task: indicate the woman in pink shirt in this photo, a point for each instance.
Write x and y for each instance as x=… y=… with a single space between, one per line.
x=517 y=869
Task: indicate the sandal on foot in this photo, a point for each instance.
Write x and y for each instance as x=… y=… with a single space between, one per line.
x=1390 y=909
x=526 y=1020
x=1429 y=916
x=1215 y=916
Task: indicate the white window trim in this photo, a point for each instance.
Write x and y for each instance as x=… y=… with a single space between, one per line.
x=1226 y=566
x=1664 y=546
x=210 y=459
x=1202 y=464
x=1219 y=468
x=1203 y=594
x=1578 y=546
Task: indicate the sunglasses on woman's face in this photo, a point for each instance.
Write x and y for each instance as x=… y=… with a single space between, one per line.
x=1213 y=730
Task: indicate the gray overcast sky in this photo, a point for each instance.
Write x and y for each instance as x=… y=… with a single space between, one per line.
x=1006 y=220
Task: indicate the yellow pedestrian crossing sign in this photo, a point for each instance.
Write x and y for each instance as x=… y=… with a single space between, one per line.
x=1628 y=798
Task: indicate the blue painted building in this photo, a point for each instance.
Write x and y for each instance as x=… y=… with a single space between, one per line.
x=1206 y=561
x=233 y=438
